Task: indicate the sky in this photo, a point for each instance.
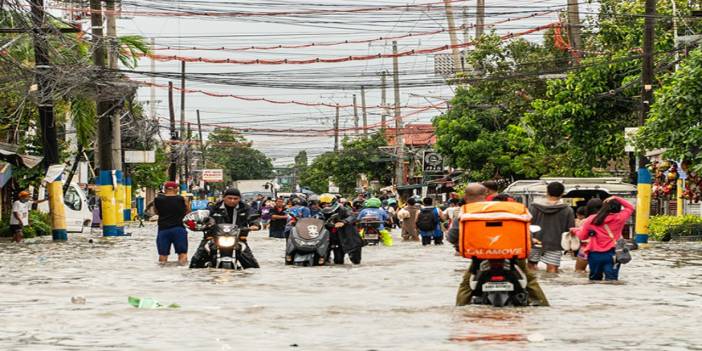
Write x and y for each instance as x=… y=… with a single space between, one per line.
x=329 y=83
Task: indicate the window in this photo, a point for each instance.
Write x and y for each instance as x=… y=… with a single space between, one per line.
x=72 y=199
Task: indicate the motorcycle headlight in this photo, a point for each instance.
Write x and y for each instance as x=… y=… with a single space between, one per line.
x=226 y=241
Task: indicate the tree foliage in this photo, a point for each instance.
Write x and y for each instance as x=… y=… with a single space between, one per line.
x=676 y=117
x=356 y=156
x=230 y=151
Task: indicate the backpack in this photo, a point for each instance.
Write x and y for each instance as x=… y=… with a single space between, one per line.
x=426 y=221
x=621 y=251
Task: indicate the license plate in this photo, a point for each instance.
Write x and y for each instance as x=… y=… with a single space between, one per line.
x=226 y=259
x=372 y=236
x=501 y=286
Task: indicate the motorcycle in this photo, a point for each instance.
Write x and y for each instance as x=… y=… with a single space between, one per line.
x=308 y=243
x=223 y=240
x=370 y=230
x=499 y=282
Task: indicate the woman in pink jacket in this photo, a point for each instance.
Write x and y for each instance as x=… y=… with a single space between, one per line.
x=604 y=229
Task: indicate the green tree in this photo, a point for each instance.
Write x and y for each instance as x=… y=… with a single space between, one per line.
x=357 y=156
x=675 y=122
x=482 y=132
x=230 y=151
x=151 y=175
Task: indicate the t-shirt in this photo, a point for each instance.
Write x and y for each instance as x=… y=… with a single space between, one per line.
x=23 y=209
x=171 y=210
x=278 y=224
x=266 y=213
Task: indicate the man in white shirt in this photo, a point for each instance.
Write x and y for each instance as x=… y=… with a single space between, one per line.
x=20 y=215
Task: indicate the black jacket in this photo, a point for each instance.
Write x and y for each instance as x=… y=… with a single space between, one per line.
x=243 y=215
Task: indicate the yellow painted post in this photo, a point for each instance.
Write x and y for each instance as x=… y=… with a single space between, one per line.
x=107 y=199
x=119 y=200
x=57 y=211
x=643 y=205
x=680 y=202
x=127 y=199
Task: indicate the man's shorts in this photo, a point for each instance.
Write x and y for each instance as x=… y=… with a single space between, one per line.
x=15 y=228
x=176 y=236
x=552 y=257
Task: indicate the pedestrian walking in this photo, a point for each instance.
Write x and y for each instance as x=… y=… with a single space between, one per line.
x=429 y=223
x=408 y=219
x=20 y=216
x=279 y=219
x=171 y=208
x=603 y=230
x=555 y=218
x=266 y=214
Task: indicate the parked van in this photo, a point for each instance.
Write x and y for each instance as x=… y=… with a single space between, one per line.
x=78 y=214
x=577 y=192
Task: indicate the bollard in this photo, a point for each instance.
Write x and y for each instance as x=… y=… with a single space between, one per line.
x=107 y=198
x=680 y=202
x=127 y=199
x=119 y=200
x=643 y=205
x=57 y=210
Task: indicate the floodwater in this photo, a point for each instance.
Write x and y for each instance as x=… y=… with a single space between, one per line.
x=400 y=298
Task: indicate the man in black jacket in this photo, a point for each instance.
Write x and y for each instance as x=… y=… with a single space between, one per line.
x=344 y=238
x=231 y=210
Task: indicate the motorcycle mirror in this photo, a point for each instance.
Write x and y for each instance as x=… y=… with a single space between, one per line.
x=534 y=228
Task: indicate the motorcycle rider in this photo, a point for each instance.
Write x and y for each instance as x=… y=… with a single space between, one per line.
x=372 y=209
x=344 y=238
x=230 y=210
x=476 y=192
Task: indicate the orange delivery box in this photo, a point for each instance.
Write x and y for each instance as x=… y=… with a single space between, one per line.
x=494 y=230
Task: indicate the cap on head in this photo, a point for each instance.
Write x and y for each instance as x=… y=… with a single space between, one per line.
x=170 y=185
x=23 y=193
x=232 y=192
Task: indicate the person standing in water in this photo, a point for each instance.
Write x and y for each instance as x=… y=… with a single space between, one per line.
x=171 y=208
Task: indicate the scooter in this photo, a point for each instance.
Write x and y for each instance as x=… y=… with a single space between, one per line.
x=308 y=243
x=499 y=282
x=370 y=230
x=223 y=240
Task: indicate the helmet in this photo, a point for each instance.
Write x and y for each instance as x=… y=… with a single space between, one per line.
x=373 y=202
x=327 y=199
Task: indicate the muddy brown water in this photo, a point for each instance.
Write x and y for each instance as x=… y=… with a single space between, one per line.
x=399 y=298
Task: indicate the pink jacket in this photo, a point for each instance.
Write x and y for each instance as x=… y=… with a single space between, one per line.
x=601 y=242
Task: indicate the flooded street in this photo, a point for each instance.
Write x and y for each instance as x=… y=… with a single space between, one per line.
x=400 y=298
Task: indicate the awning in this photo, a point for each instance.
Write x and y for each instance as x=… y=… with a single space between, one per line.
x=8 y=152
x=5 y=173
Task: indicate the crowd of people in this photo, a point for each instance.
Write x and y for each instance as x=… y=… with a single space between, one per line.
x=598 y=225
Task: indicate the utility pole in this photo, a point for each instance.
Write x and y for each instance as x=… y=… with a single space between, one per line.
x=183 y=175
x=466 y=31
x=186 y=157
x=479 y=19
x=336 y=130
x=399 y=172
x=363 y=108
x=46 y=118
x=574 y=27
x=173 y=169
x=112 y=55
x=44 y=88
x=355 y=114
x=383 y=100
x=457 y=62
x=110 y=179
x=103 y=107
x=202 y=142
x=152 y=89
x=643 y=196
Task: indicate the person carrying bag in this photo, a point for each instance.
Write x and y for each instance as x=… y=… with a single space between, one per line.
x=606 y=249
